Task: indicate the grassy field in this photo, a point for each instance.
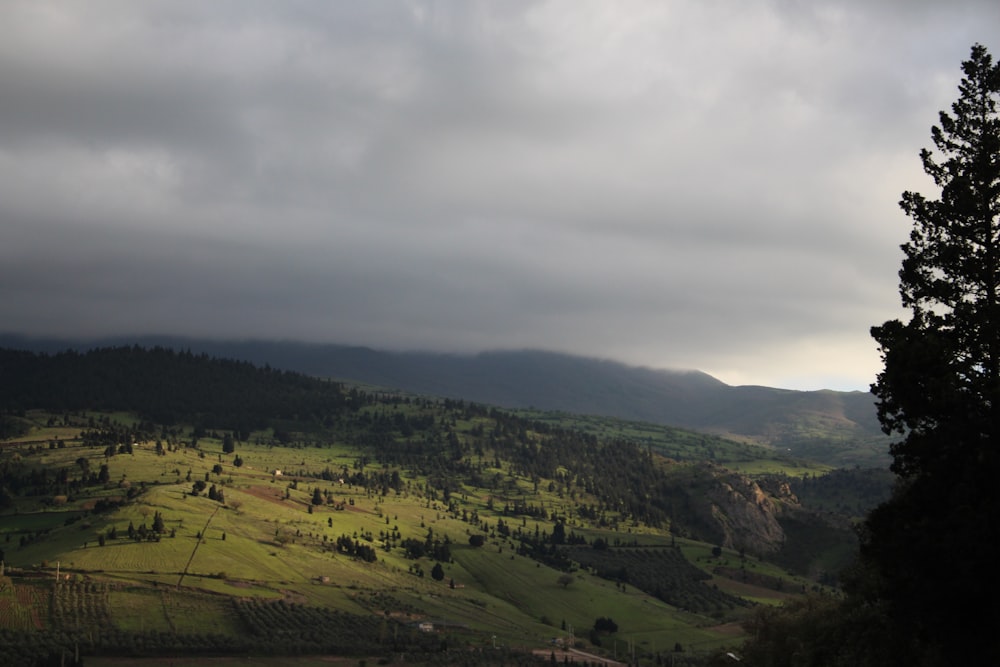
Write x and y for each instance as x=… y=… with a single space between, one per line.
x=268 y=541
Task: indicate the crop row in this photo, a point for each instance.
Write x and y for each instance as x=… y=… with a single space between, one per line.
x=661 y=572
x=326 y=629
x=23 y=607
x=76 y=616
x=80 y=606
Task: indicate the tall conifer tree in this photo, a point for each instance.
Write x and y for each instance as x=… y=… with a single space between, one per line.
x=927 y=555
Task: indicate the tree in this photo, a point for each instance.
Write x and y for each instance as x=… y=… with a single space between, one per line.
x=925 y=552
x=317 y=498
x=605 y=624
x=437 y=572
x=565 y=580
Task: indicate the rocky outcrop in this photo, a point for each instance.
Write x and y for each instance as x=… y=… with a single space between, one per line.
x=746 y=515
x=732 y=510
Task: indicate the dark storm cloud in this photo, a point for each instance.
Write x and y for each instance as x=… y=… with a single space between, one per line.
x=685 y=184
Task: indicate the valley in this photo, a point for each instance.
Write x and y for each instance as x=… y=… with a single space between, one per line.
x=331 y=519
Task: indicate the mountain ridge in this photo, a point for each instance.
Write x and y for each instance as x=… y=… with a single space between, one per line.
x=829 y=426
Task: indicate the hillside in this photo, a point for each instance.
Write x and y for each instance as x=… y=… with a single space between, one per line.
x=337 y=520
x=839 y=428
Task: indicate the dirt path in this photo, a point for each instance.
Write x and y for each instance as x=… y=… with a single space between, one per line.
x=576 y=655
x=197 y=543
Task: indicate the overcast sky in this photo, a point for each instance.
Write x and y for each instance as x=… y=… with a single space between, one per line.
x=699 y=184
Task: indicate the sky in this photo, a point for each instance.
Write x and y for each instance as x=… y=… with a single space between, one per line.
x=682 y=184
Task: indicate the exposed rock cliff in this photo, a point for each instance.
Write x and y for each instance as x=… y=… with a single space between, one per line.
x=732 y=510
x=747 y=517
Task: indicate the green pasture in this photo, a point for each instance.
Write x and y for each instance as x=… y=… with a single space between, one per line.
x=166 y=610
x=264 y=542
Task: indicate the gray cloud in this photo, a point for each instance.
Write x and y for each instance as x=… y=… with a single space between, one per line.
x=683 y=184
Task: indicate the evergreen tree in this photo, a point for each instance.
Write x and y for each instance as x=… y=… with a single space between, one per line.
x=926 y=553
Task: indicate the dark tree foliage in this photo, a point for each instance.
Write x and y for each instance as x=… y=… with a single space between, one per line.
x=927 y=553
x=942 y=369
x=162 y=385
x=605 y=624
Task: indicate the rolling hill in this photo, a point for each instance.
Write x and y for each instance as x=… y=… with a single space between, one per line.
x=159 y=503
x=838 y=428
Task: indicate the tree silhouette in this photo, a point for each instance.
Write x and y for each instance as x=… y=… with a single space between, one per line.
x=924 y=552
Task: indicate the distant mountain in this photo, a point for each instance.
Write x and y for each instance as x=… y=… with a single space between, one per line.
x=828 y=426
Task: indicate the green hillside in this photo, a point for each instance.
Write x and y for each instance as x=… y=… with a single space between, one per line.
x=160 y=503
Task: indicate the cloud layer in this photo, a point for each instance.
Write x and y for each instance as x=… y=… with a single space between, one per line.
x=687 y=184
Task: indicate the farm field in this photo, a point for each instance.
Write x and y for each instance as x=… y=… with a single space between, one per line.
x=392 y=525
